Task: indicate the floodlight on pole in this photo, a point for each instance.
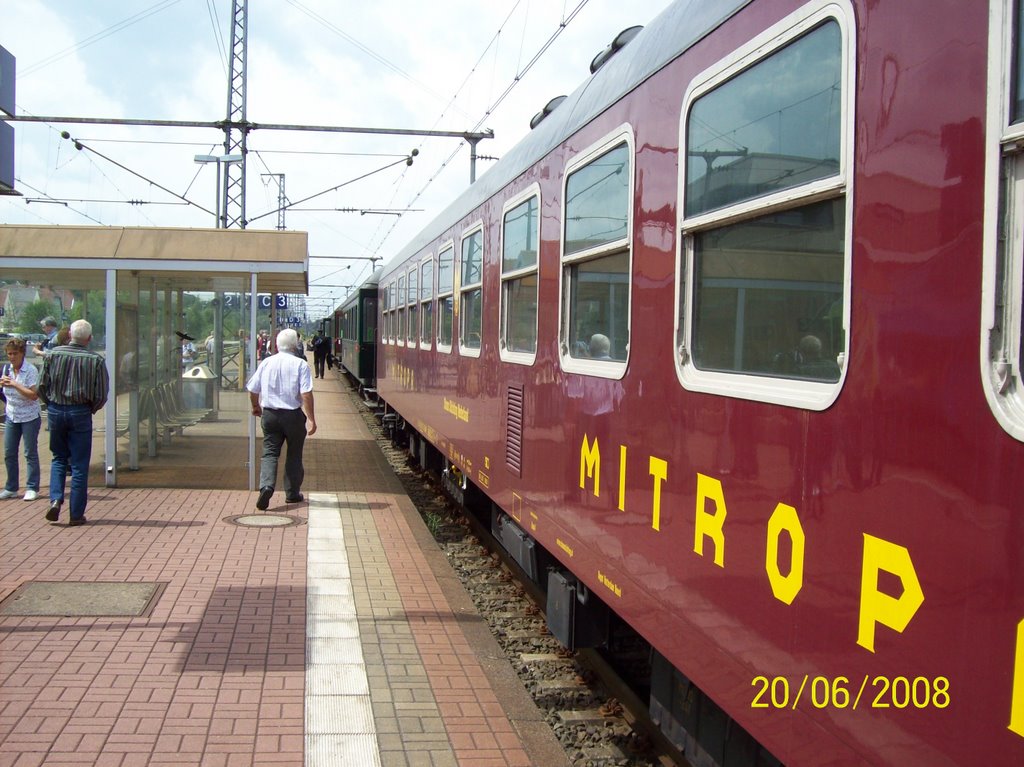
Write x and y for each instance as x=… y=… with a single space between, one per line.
x=219 y=159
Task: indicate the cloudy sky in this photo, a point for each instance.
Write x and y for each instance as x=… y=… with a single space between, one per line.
x=439 y=65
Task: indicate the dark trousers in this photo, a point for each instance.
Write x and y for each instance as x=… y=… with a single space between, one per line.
x=71 y=445
x=282 y=427
x=318 y=364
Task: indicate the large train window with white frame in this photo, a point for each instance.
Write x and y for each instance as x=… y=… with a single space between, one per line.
x=520 y=244
x=471 y=292
x=1002 y=347
x=445 y=297
x=597 y=216
x=427 y=302
x=764 y=249
x=414 y=305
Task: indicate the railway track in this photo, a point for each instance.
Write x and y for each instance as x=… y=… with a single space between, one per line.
x=592 y=710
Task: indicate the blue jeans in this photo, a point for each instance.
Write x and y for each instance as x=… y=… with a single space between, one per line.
x=71 y=445
x=14 y=433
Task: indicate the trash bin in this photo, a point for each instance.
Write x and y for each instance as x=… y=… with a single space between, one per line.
x=197 y=386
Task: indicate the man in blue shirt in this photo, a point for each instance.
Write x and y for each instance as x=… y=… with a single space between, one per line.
x=50 y=327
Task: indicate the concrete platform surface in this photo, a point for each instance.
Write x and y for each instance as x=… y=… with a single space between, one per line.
x=342 y=640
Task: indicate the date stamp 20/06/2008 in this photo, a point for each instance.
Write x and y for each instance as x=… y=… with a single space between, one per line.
x=841 y=692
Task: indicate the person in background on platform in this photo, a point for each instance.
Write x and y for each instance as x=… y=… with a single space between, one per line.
x=49 y=326
x=262 y=345
x=188 y=353
x=281 y=394
x=63 y=336
x=20 y=380
x=321 y=347
x=74 y=384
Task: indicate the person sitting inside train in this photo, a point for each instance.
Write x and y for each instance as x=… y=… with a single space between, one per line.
x=600 y=347
x=808 y=361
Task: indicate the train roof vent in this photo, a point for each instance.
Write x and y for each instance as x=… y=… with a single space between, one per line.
x=550 y=107
x=620 y=42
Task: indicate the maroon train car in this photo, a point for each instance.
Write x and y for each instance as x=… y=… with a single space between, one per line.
x=733 y=338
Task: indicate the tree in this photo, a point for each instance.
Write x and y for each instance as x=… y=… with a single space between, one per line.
x=33 y=313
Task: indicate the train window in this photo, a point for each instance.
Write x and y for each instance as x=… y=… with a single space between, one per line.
x=427 y=302
x=772 y=127
x=445 y=297
x=391 y=313
x=414 y=303
x=764 y=251
x=400 y=312
x=1003 y=252
x=596 y=258
x=471 y=293
x=520 y=241
x=369 y=322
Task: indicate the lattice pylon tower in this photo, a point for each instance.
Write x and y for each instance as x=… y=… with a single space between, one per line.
x=235 y=139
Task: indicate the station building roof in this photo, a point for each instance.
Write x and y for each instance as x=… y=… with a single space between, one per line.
x=187 y=259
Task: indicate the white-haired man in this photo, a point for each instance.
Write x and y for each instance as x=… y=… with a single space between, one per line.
x=74 y=384
x=281 y=393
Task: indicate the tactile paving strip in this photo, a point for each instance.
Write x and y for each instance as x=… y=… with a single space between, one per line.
x=340 y=728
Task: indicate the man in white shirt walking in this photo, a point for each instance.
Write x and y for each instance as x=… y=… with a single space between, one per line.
x=281 y=393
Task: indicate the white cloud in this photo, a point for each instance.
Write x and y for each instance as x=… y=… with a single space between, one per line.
x=301 y=71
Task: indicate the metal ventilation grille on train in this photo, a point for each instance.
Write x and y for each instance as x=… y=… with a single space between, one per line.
x=514 y=428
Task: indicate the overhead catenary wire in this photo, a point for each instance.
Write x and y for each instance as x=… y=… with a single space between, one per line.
x=124 y=24
x=54 y=199
x=331 y=189
x=490 y=110
x=79 y=145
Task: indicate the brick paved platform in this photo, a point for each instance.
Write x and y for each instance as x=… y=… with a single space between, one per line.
x=343 y=640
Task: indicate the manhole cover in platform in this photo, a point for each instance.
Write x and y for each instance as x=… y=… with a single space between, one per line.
x=81 y=600
x=264 y=520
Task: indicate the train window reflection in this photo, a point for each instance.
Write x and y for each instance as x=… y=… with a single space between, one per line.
x=1017 y=95
x=597 y=258
x=414 y=329
x=392 y=314
x=427 y=301
x=400 y=312
x=519 y=245
x=445 y=300
x=775 y=126
x=597 y=202
x=599 y=306
x=471 y=302
x=768 y=294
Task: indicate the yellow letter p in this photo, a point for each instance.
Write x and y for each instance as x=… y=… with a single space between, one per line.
x=877 y=607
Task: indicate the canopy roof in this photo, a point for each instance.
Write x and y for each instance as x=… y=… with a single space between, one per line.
x=188 y=259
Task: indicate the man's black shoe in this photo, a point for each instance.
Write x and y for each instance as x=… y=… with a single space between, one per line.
x=264 y=500
x=53 y=512
x=295 y=498
x=77 y=522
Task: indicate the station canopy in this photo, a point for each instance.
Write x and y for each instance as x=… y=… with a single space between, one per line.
x=188 y=259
